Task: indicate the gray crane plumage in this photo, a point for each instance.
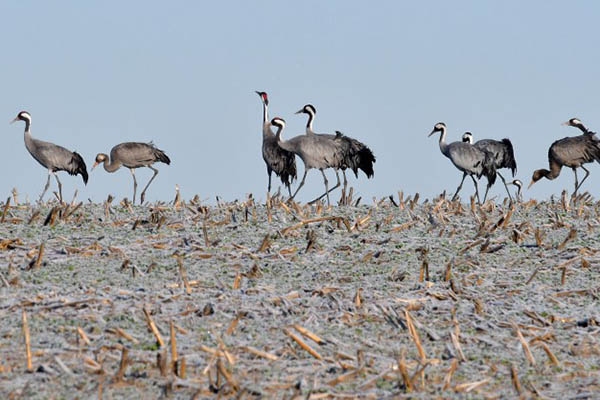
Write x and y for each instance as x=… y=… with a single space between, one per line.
x=503 y=153
x=133 y=155
x=51 y=156
x=278 y=160
x=572 y=152
x=352 y=153
x=467 y=158
x=314 y=151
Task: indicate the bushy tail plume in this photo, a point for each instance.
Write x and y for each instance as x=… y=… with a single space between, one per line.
x=78 y=167
x=509 y=157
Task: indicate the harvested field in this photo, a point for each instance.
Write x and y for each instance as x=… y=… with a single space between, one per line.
x=398 y=298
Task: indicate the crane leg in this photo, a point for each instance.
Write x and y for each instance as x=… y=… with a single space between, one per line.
x=59 y=188
x=584 y=178
x=345 y=188
x=300 y=185
x=326 y=185
x=143 y=195
x=327 y=191
x=459 y=187
x=476 y=189
x=505 y=185
x=269 y=187
x=576 y=182
x=134 y=184
x=47 y=186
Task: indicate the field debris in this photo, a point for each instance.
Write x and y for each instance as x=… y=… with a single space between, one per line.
x=288 y=300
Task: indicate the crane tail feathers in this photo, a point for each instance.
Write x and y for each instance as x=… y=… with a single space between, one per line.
x=161 y=156
x=366 y=160
x=509 y=157
x=79 y=167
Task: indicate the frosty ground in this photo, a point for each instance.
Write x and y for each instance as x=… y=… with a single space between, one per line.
x=400 y=297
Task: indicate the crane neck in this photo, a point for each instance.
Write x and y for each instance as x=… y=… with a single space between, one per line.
x=110 y=166
x=267 y=132
x=582 y=128
x=27 y=135
x=443 y=145
x=265 y=113
x=309 y=124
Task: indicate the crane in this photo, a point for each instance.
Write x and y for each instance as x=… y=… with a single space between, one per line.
x=51 y=156
x=315 y=151
x=133 y=155
x=280 y=161
x=504 y=156
x=572 y=152
x=468 y=159
x=355 y=154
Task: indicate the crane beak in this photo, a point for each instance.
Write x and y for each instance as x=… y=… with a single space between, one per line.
x=531 y=184
x=432 y=132
x=565 y=123
x=14 y=120
x=95 y=165
x=300 y=111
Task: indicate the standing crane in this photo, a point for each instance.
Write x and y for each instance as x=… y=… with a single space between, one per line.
x=355 y=154
x=280 y=161
x=504 y=156
x=468 y=159
x=133 y=155
x=572 y=152
x=315 y=151
x=51 y=156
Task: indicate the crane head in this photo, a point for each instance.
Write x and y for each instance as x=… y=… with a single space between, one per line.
x=467 y=137
x=278 y=122
x=439 y=127
x=263 y=97
x=537 y=175
x=572 y=122
x=100 y=158
x=22 y=116
x=307 y=109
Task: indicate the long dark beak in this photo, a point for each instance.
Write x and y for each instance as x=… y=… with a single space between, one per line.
x=300 y=111
x=432 y=132
x=257 y=92
x=14 y=120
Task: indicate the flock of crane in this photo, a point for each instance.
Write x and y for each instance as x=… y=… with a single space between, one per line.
x=336 y=151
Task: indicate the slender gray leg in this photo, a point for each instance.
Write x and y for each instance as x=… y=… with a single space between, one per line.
x=576 y=182
x=59 y=188
x=476 y=189
x=300 y=185
x=345 y=189
x=584 y=178
x=328 y=191
x=289 y=186
x=326 y=185
x=505 y=185
x=459 y=187
x=134 y=183
x=47 y=186
x=143 y=195
x=269 y=187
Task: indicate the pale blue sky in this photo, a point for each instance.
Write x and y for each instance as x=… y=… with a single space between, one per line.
x=183 y=74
